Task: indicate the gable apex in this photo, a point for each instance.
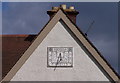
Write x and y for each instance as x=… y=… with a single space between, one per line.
x=60 y=15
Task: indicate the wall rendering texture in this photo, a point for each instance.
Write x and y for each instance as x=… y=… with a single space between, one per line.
x=35 y=68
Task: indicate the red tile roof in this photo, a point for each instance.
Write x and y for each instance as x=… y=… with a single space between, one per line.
x=13 y=46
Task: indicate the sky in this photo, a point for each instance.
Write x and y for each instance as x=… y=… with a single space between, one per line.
x=30 y=18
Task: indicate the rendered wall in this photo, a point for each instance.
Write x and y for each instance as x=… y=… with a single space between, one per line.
x=35 y=68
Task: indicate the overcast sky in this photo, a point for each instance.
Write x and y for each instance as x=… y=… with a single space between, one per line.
x=30 y=18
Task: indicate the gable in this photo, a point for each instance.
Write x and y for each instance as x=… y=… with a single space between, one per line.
x=78 y=35
x=37 y=62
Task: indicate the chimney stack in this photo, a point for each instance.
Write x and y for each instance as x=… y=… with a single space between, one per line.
x=71 y=12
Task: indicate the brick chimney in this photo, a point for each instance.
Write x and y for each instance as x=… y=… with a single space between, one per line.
x=71 y=12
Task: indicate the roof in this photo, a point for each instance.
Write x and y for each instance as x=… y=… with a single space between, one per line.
x=13 y=47
x=79 y=35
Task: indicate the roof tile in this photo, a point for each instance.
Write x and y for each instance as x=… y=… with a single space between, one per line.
x=13 y=46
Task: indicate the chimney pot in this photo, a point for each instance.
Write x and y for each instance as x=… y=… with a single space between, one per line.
x=71 y=7
x=63 y=6
x=55 y=8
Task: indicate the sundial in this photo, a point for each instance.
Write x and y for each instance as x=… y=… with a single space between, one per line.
x=60 y=56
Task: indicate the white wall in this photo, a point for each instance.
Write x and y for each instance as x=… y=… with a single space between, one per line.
x=35 y=68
